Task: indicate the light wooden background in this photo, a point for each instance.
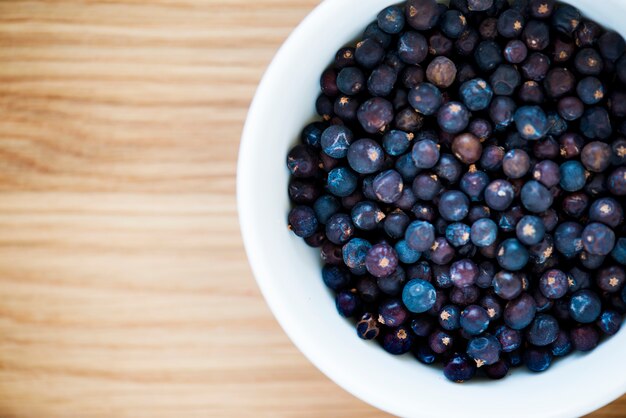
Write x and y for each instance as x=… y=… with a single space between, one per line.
x=124 y=288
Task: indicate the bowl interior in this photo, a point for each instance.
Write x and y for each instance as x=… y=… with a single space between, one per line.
x=288 y=271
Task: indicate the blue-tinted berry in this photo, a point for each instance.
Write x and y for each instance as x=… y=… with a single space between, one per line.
x=425 y=98
x=350 y=81
x=424 y=354
x=543 y=331
x=610 y=322
x=426 y=187
x=418 y=295
x=392 y=285
x=342 y=181
x=598 y=239
x=520 y=312
x=504 y=80
x=397 y=341
x=453 y=205
x=396 y=142
x=485 y=350
x=501 y=111
x=584 y=338
x=474 y=320
x=588 y=62
x=619 y=251
x=473 y=184
x=388 y=186
x=573 y=176
x=365 y=156
x=510 y=23
x=406 y=254
x=375 y=115
x=507 y=285
x=535 y=197
x=391 y=19
x=591 y=261
x=616 y=182
x=562 y=346
x=499 y=194
x=442 y=277
x=479 y=5
x=335 y=277
x=381 y=81
x=476 y=94
x=312 y=134
x=453 y=23
x=453 y=117
x=367 y=328
x=531 y=122
x=596 y=124
x=486 y=271
x=568 y=238
x=509 y=339
x=395 y=223
x=412 y=47
x=611 y=45
x=354 y=253
x=422 y=325
x=590 y=90
x=449 y=168
x=491 y=158
x=536 y=35
x=366 y=215
x=566 y=19
x=491 y=304
x=530 y=230
x=335 y=141
x=406 y=167
x=369 y=53
x=585 y=306
x=449 y=317
x=348 y=303
x=374 y=32
x=420 y=235
x=537 y=359
x=302 y=221
x=425 y=153
x=458 y=234
x=488 y=55
x=459 y=368
x=553 y=284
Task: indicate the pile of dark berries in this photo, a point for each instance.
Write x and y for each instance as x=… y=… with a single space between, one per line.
x=467 y=183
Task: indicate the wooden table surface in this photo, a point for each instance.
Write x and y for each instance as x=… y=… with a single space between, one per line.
x=124 y=287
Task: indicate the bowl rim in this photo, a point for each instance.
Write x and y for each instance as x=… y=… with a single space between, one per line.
x=262 y=268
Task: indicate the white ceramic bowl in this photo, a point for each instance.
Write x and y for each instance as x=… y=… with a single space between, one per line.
x=288 y=272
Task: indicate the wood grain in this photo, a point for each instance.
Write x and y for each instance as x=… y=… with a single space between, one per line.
x=124 y=287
